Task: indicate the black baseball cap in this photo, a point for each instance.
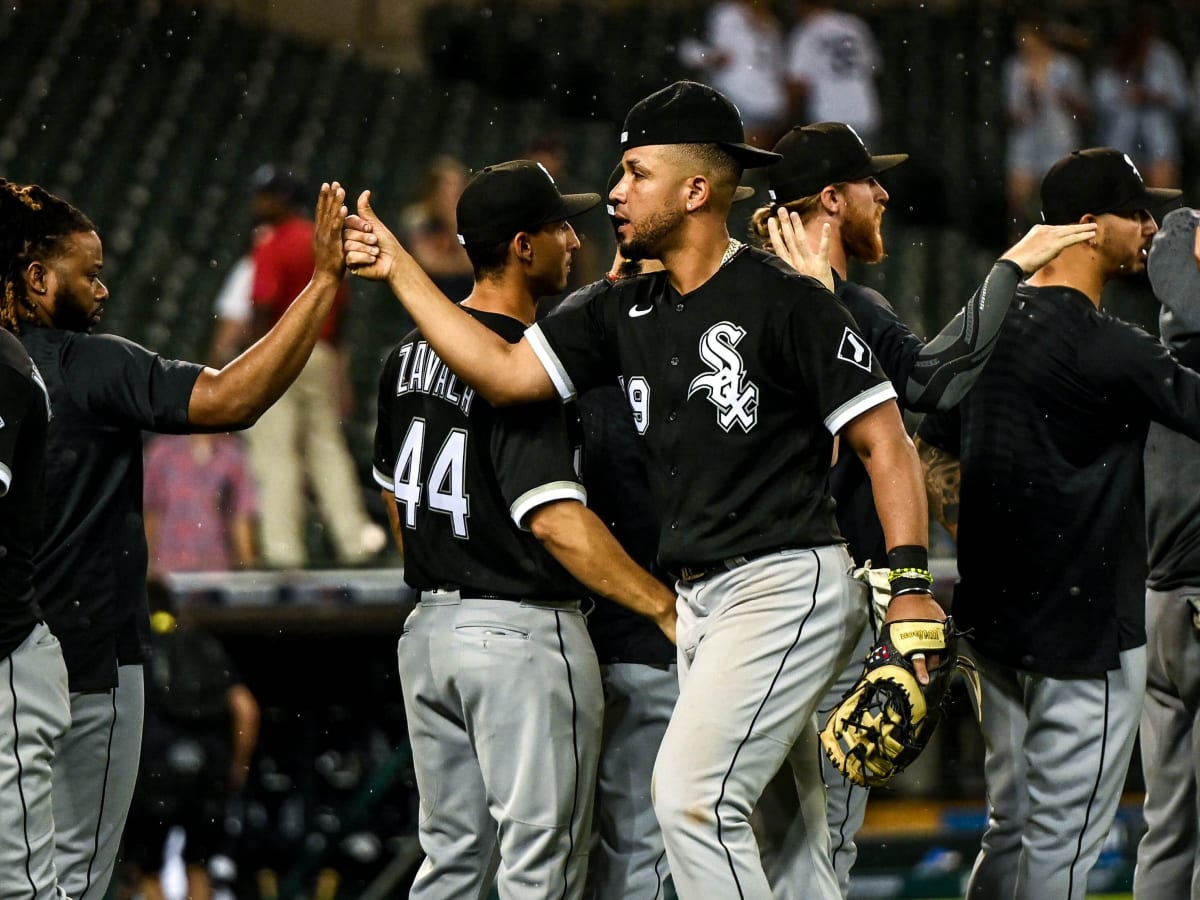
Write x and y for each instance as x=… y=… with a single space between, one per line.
x=1096 y=181
x=520 y=195
x=814 y=156
x=688 y=112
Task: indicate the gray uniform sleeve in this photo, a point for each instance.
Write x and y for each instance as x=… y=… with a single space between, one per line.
x=949 y=364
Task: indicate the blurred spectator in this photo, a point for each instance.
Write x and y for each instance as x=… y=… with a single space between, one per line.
x=300 y=438
x=832 y=63
x=233 y=309
x=1141 y=96
x=200 y=504
x=200 y=732
x=1046 y=98
x=429 y=230
x=742 y=57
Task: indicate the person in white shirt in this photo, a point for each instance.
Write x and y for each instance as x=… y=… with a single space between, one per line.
x=832 y=63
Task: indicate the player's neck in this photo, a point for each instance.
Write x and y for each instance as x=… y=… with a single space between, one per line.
x=697 y=258
x=1070 y=271
x=837 y=252
x=504 y=298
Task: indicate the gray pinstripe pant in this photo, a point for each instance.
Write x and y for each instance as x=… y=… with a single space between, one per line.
x=758 y=648
x=1057 y=751
x=95 y=771
x=504 y=708
x=34 y=713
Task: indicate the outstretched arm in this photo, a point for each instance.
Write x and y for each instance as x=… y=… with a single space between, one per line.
x=235 y=396
x=949 y=364
x=501 y=372
x=937 y=374
x=576 y=537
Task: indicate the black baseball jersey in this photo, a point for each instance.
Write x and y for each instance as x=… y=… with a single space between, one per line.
x=1051 y=540
x=24 y=414
x=614 y=473
x=90 y=575
x=737 y=389
x=926 y=376
x=466 y=476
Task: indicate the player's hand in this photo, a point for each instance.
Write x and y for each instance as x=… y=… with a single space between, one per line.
x=371 y=249
x=1044 y=242
x=917 y=606
x=790 y=243
x=327 y=231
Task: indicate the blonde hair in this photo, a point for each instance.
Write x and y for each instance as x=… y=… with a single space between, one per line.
x=804 y=207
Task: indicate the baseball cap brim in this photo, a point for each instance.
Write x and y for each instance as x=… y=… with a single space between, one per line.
x=1150 y=198
x=568 y=207
x=885 y=161
x=749 y=156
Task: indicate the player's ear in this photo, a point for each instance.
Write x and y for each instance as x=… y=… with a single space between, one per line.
x=522 y=246
x=37 y=279
x=831 y=199
x=698 y=192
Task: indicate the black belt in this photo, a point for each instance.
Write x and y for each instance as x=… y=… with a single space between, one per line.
x=472 y=594
x=708 y=570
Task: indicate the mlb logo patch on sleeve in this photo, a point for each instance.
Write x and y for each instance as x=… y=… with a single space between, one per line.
x=854 y=350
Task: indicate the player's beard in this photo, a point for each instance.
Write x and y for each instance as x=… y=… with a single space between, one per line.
x=648 y=240
x=861 y=235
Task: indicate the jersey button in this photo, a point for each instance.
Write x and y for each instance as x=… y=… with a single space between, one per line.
x=678 y=307
x=674 y=471
x=674 y=526
x=674 y=360
x=671 y=416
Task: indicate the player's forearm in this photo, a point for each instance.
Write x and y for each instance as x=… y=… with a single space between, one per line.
x=576 y=537
x=393 y=515
x=502 y=373
x=235 y=396
x=943 y=481
x=949 y=364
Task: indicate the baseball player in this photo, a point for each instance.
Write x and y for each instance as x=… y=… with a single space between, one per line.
x=1051 y=538
x=34 y=706
x=738 y=403
x=1168 y=867
x=501 y=684
x=827 y=176
x=90 y=569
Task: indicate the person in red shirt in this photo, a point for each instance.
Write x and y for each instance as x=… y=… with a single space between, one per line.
x=300 y=439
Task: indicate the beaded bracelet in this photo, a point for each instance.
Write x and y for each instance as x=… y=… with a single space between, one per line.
x=910 y=572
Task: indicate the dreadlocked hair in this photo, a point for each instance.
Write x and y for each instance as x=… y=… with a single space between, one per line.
x=803 y=206
x=34 y=224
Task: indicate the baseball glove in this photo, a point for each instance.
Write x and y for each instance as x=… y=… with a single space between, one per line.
x=888 y=717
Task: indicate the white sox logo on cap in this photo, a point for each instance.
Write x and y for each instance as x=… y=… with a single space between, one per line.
x=734 y=396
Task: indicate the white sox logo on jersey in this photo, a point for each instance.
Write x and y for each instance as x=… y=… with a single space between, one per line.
x=734 y=396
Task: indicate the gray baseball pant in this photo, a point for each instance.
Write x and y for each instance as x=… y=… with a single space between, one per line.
x=95 y=771
x=758 y=648
x=1168 y=856
x=1056 y=754
x=35 y=711
x=504 y=710
x=845 y=806
x=628 y=861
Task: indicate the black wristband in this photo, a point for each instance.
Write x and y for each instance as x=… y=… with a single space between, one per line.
x=908 y=556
